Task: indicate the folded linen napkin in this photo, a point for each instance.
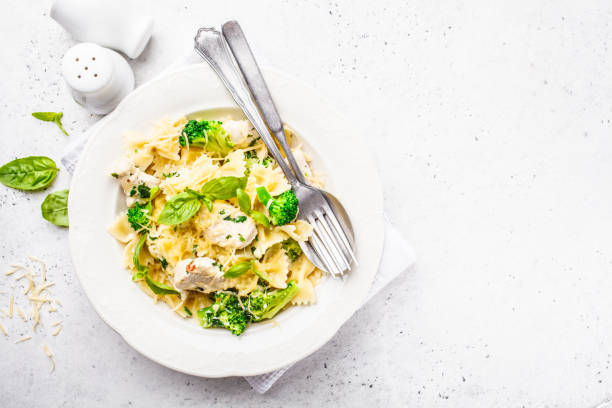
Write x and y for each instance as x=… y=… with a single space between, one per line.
x=397 y=255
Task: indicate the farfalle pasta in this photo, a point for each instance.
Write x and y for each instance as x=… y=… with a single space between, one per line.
x=196 y=234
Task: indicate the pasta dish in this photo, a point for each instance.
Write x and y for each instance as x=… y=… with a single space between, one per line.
x=210 y=226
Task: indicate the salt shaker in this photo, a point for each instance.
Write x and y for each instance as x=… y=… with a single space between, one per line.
x=99 y=78
x=116 y=24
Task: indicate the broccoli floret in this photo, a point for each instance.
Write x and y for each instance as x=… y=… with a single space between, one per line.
x=265 y=305
x=292 y=248
x=226 y=312
x=282 y=208
x=208 y=134
x=138 y=216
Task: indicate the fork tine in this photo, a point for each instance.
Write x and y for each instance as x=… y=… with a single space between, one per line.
x=312 y=255
x=332 y=244
x=323 y=253
x=340 y=232
x=326 y=241
x=330 y=267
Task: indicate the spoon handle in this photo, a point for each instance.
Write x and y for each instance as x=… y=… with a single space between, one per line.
x=248 y=65
x=211 y=46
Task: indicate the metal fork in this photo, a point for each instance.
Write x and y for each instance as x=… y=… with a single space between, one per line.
x=329 y=247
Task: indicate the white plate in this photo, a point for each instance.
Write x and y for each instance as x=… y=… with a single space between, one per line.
x=153 y=329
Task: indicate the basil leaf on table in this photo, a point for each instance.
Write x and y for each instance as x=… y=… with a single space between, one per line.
x=55 y=208
x=55 y=117
x=180 y=208
x=29 y=173
x=159 y=288
x=223 y=188
x=238 y=269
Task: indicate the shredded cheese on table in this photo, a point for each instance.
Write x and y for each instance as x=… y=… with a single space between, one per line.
x=48 y=353
x=24 y=338
x=11 y=304
x=21 y=314
x=42 y=265
x=3 y=331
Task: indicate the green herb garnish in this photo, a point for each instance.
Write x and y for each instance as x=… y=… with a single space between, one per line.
x=55 y=117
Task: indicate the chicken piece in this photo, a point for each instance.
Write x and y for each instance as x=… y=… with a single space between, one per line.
x=230 y=227
x=136 y=183
x=201 y=274
x=239 y=131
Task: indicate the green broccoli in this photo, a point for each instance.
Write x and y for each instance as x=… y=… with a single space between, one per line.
x=138 y=216
x=208 y=134
x=292 y=248
x=282 y=208
x=265 y=305
x=226 y=312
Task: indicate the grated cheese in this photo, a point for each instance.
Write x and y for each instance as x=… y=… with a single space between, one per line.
x=42 y=265
x=48 y=353
x=11 y=271
x=24 y=338
x=56 y=323
x=3 y=331
x=59 y=329
x=21 y=314
x=11 y=304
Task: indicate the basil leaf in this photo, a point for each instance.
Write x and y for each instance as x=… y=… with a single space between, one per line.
x=29 y=173
x=47 y=116
x=55 y=208
x=180 y=208
x=244 y=201
x=138 y=276
x=223 y=188
x=238 y=269
x=142 y=270
x=159 y=288
x=208 y=203
x=260 y=218
x=51 y=117
x=262 y=275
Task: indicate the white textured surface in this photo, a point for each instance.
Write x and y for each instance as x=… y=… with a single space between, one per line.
x=491 y=124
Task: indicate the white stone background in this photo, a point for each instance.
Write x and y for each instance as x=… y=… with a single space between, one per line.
x=490 y=123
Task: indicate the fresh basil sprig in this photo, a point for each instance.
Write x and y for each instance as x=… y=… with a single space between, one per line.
x=55 y=208
x=29 y=173
x=159 y=288
x=142 y=272
x=185 y=205
x=55 y=117
x=244 y=201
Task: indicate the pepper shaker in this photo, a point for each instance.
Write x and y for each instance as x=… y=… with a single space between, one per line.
x=116 y=24
x=99 y=78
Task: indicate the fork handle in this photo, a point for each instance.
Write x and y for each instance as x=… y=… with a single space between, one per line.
x=211 y=46
x=248 y=65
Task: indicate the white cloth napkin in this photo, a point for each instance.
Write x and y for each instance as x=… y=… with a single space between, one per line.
x=397 y=255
